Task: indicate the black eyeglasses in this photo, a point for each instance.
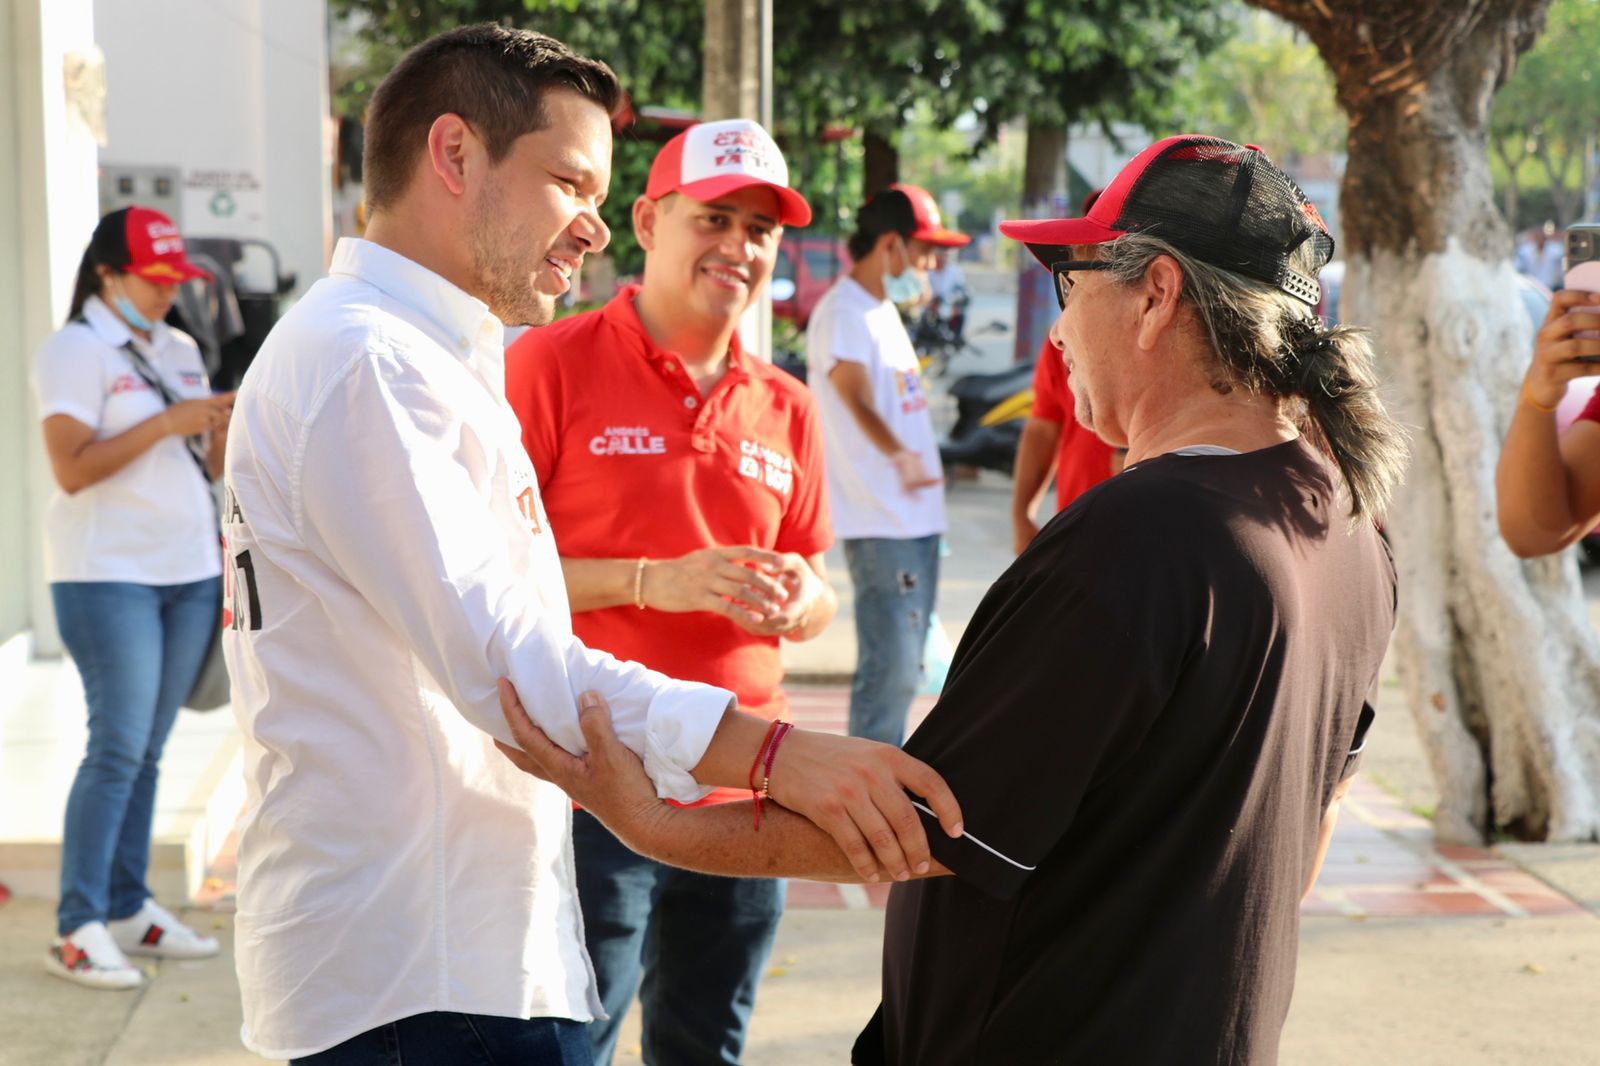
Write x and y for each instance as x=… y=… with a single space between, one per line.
x=1063 y=275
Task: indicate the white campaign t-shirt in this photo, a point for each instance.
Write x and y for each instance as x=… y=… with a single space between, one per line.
x=849 y=324
x=152 y=522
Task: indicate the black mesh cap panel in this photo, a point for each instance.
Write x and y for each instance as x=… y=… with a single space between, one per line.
x=1229 y=206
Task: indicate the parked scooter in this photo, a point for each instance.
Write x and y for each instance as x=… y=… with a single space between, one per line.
x=230 y=316
x=990 y=412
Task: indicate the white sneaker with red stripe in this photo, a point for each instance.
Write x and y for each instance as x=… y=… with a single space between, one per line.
x=89 y=956
x=154 y=931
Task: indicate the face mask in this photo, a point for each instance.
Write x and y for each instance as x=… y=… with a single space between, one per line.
x=130 y=314
x=903 y=287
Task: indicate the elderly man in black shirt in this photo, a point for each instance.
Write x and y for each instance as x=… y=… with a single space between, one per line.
x=1149 y=749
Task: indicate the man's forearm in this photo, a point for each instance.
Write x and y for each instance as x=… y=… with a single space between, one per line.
x=723 y=840
x=733 y=747
x=873 y=425
x=593 y=584
x=1036 y=454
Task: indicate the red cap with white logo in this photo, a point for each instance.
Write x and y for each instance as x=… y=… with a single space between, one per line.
x=713 y=159
x=930 y=227
x=155 y=249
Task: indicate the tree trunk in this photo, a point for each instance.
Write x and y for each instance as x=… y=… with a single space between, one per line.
x=1556 y=167
x=1588 y=176
x=1510 y=209
x=1498 y=657
x=1044 y=182
x=730 y=83
x=1044 y=167
x=880 y=163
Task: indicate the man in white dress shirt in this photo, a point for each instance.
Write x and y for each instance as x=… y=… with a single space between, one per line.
x=404 y=891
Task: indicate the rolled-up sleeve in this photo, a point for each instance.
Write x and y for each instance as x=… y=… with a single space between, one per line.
x=394 y=492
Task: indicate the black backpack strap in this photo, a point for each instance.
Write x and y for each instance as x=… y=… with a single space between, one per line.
x=195 y=445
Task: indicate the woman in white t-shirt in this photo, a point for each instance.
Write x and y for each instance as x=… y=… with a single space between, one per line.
x=134 y=436
x=885 y=484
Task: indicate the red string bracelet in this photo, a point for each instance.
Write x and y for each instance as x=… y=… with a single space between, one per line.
x=755 y=768
x=763 y=763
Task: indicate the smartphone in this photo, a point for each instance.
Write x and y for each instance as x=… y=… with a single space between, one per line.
x=1583 y=272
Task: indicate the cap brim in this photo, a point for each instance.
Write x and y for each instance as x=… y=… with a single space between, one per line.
x=165 y=273
x=792 y=207
x=941 y=237
x=1045 y=237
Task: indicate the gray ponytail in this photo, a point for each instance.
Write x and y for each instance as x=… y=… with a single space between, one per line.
x=1266 y=341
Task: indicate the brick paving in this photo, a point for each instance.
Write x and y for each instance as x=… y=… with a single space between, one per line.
x=1383 y=862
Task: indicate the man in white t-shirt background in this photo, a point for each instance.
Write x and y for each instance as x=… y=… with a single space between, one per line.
x=885 y=483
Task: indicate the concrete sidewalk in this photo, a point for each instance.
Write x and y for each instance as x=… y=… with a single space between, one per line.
x=1462 y=991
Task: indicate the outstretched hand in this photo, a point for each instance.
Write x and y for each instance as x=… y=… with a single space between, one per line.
x=854 y=790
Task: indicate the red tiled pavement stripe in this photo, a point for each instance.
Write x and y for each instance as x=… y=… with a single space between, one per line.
x=1383 y=861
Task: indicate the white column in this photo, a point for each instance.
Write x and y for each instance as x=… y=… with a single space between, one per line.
x=48 y=209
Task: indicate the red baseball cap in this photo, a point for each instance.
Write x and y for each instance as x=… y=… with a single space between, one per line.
x=712 y=159
x=930 y=227
x=155 y=248
x=1223 y=203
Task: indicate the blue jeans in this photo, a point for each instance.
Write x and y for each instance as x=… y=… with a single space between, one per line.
x=443 y=1039
x=138 y=649
x=895 y=584
x=692 y=945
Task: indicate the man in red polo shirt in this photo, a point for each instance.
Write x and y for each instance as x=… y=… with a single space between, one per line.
x=686 y=480
x=1053 y=439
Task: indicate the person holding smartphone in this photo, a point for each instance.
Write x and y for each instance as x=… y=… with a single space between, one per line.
x=1548 y=481
x=134 y=435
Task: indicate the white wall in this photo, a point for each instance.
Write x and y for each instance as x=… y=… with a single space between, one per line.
x=235 y=94
x=48 y=208
x=1097 y=157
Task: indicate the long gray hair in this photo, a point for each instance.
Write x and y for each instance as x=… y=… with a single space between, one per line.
x=1266 y=341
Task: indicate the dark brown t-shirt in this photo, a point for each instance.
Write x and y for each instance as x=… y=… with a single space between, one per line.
x=1144 y=724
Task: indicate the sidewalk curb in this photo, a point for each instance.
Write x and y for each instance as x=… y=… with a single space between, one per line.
x=819 y=677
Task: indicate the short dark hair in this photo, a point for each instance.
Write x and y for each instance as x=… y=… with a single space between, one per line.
x=888 y=212
x=493 y=76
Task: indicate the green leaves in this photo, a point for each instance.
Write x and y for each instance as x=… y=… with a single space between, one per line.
x=1544 y=117
x=842 y=63
x=1238 y=92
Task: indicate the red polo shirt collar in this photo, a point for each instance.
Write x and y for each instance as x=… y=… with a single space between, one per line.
x=621 y=315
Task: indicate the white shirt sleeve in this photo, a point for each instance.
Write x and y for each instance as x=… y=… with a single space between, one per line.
x=850 y=340
x=69 y=377
x=393 y=494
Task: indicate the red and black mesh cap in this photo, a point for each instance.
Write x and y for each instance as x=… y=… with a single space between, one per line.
x=1222 y=203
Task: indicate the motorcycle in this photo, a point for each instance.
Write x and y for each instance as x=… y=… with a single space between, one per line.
x=991 y=410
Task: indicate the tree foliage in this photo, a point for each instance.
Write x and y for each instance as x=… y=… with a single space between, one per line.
x=840 y=63
x=1059 y=63
x=1266 y=86
x=1547 y=113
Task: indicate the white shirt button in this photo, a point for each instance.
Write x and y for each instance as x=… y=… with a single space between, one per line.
x=690 y=402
